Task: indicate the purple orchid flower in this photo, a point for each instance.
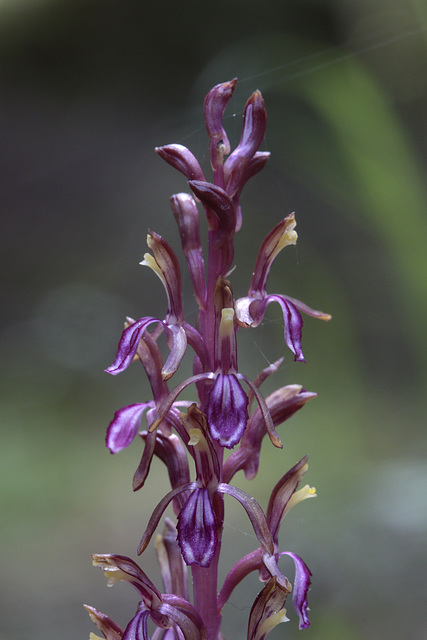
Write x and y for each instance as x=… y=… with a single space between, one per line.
x=195 y=432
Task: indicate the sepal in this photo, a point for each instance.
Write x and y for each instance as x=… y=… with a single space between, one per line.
x=281 y=495
x=165 y=265
x=281 y=236
x=187 y=217
x=267 y=611
x=109 y=629
x=181 y=159
x=117 y=568
x=214 y=107
x=254 y=123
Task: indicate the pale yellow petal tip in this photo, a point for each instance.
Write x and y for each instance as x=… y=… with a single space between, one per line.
x=300 y=495
x=195 y=435
x=93 y=636
x=289 y=235
x=148 y=261
x=269 y=623
x=150 y=240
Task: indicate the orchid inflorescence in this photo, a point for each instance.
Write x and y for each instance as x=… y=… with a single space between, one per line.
x=180 y=432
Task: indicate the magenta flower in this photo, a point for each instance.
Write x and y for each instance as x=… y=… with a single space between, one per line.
x=250 y=310
x=190 y=433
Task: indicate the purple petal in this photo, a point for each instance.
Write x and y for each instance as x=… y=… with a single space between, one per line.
x=255 y=514
x=255 y=119
x=181 y=159
x=119 y=568
x=217 y=201
x=281 y=236
x=293 y=325
x=227 y=410
x=128 y=344
x=166 y=404
x=157 y=514
x=137 y=627
x=255 y=165
x=185 y=616
x=282 y=493
x=140 y=475
x=243 y=567
x=281 y=405
x=268 y=422
x=166 y=267
x=187 y=216
x=172 y=452
x=202 y=448
x=214 y=106
x=197 y=529
x=124 y=426
x=178 y=338
x=301 y=587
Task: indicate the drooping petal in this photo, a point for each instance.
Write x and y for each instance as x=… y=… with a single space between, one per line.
x=301 y=587
x=281 y=404
x=173 y=454
x=158 y=512
x=243 y=567
x=265 y=412
x=167 y=403
x=128 y=344
x=227 y=410
x=143 y=469
x=124 y=426
x=255 y=513
x=267 y=611
x=109 y=628
x=292 y=321
x=197 y=535
x=264 y=374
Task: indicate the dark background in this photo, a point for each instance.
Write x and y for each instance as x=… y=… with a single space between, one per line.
x=88 y=88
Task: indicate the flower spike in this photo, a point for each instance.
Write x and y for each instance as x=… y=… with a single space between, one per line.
x=191 y=424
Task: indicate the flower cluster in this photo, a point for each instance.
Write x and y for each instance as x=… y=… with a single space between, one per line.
x=190 y=437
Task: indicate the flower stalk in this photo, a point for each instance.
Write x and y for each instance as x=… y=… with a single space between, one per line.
x=190 y=434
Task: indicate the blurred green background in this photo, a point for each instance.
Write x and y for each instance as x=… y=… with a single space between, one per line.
x=88 y=88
